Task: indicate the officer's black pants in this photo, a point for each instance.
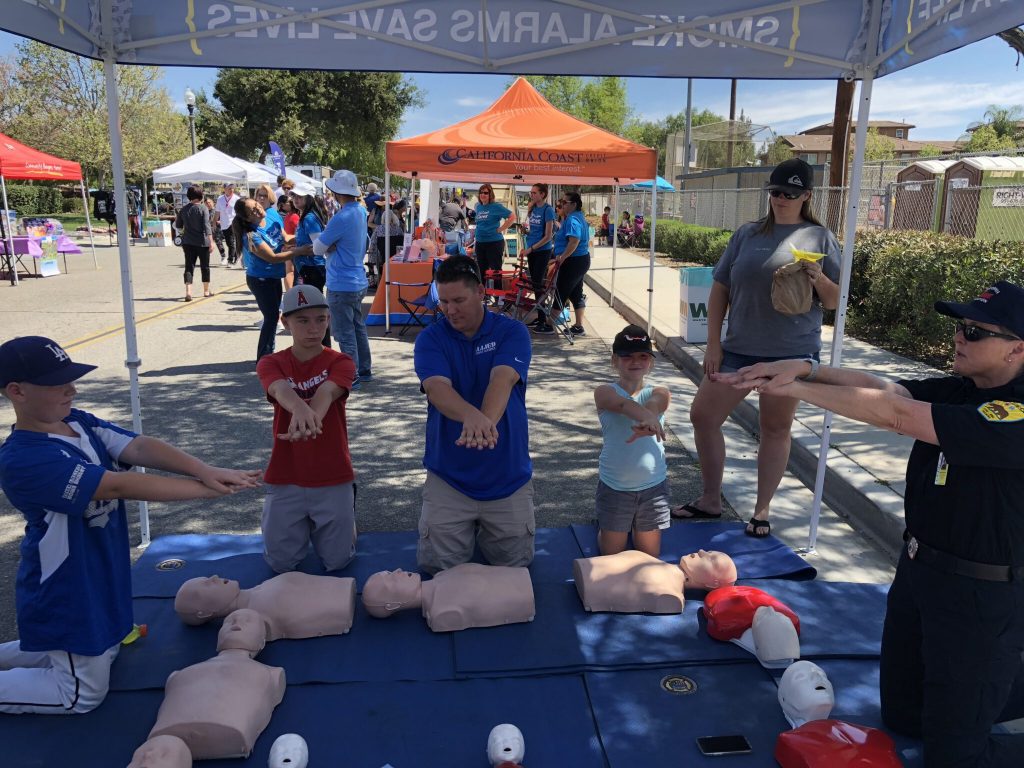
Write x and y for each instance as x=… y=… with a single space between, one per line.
x=951 y=665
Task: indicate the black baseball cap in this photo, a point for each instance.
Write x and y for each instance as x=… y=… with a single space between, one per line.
x=632 y=339
x=38 y=360
x=999 y=304
x=793 y=175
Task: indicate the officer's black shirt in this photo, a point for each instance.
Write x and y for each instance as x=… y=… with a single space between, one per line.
x=979 y=513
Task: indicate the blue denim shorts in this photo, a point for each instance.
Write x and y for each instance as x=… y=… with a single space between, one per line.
x=732 y=362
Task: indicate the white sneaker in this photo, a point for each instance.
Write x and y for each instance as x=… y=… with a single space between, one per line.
x=223 y=260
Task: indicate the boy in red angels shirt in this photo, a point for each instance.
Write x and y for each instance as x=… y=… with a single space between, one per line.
x=310 y=482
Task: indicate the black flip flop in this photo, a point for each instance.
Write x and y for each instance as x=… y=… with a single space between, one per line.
x=696 y=513
x=761 y=528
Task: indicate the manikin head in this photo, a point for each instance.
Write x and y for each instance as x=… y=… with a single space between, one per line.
x=243 y=630
x=200 y=599
x=708 y=570
x=386 y=592
x=505 y=745
x=162 y=752
x=805 y=693
x=776 y=642
x=289 y=750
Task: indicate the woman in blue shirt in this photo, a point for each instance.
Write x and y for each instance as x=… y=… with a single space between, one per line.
x=541 y=218
x=492 y=219
x=572 y=254
x=261 y=242
x=310 y=269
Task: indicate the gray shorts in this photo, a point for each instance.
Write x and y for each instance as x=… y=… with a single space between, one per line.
x=624 y=511
x=451 y=523
x=293 y=516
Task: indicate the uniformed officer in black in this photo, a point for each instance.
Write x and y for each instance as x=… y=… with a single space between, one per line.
x=954 y=628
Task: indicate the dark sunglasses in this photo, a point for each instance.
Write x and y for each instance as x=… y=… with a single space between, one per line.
x=784 y=193
x=975 y=333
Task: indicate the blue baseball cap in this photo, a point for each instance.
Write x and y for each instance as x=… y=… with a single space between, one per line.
x=38 y=360
x=1000 y=304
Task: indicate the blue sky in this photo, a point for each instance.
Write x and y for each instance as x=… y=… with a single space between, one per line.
x=941 y=97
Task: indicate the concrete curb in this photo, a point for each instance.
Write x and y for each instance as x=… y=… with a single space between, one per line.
x=845 y=498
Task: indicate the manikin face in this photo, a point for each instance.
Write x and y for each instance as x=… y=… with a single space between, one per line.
x=200 y=598
x=775 y=637
x=505 y=745
x=805 y=693
x=243 y=630
x=289 y=751
x=708 y=570
x=388 y=591
x=162 y=752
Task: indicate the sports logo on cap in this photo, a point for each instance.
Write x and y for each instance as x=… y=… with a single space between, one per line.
x=58 y=353
x=795 y=180
x=300 y=299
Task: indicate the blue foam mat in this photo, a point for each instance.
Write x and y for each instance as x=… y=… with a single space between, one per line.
x=354 y=724
x=764 y=558
x=855 y=683
x=240 y=557
x=837 y=619
x=642 y=724
x=566 y=637
x=399 y=648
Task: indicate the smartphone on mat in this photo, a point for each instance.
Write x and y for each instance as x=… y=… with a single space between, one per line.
x=736 y=744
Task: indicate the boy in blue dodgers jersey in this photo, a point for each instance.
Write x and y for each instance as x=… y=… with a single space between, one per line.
x=64 y=470
x=472 y=366
x=632 y=490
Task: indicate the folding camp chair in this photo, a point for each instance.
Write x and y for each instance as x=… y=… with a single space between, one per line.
x=424 y=304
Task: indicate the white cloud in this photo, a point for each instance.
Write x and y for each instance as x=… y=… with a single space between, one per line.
x=473 y=101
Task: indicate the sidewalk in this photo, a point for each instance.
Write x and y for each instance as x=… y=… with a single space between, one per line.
x=865 y=478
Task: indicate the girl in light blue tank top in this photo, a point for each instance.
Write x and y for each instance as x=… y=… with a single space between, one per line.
x=632 y=493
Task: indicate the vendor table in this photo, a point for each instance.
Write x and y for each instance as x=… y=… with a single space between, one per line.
x=30 y=246
x=413 y=272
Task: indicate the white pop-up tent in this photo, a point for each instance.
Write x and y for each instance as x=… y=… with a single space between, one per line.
x=211 y=164
x=764 y=39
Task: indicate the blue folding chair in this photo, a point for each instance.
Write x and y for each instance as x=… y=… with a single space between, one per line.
x=424 y=304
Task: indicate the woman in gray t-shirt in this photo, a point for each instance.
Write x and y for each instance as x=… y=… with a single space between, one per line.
x=757 y=332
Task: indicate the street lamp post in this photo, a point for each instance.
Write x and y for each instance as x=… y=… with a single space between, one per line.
x=190 y=102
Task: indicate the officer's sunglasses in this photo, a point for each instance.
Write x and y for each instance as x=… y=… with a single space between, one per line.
x=976 y=333
x=785 y=194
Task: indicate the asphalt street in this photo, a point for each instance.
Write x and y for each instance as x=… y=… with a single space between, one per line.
x=199 y=391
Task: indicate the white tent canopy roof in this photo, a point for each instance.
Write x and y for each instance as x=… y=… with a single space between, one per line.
x=209 y=164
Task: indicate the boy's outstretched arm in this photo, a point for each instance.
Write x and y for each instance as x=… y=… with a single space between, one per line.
x=153 y=453
x=143 y=487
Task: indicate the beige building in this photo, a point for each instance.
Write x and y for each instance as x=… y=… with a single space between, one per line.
x=815 y=144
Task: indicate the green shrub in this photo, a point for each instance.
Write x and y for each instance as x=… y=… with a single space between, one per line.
x=898 y=276
x=35 y=199
x=72 y=205
x=687 y=242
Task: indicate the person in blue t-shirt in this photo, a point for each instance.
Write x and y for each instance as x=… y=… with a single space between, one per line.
x=265 y=196
x=632 y=489
x=343 y=242
x=492 y=219
x=260 y=240
x=541 y=218
x=65 y=471
x=572 y=252
x=472 y=365
x=310 y=269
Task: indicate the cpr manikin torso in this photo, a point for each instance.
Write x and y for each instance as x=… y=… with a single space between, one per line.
x=219 y=707
x=635 y=582
x=835 y=744
x=162 y=752
x=294 y=605
x=772 y=637
x=805 y=693
x=468 y=595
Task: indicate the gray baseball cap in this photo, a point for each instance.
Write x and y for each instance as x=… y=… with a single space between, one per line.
x=302 y=297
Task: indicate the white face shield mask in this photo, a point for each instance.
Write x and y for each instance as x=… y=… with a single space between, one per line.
x=805 y=693
x=505 y=745
x=289 y=751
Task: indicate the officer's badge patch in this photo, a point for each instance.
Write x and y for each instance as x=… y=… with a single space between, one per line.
x=1001 y=410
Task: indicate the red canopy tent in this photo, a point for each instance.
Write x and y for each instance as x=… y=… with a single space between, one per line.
x=18 y=161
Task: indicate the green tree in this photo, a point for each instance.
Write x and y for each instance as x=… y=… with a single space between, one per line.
x=600 y=101
x=775 y=152
x=61 y=108
x=930 y=150
x=341 y=119
x=1007 y=122
x=711 y=153
x=985 y=139
x=877 y=147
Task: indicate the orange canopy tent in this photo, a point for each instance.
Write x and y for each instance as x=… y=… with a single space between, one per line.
x=522 y=138
x=18 y=161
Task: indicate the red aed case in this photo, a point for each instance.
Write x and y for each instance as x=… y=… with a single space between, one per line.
x=835 y=744
x=730 y=610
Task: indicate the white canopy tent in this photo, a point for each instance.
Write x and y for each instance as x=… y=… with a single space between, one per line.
x=211 y=164
x=784 y=39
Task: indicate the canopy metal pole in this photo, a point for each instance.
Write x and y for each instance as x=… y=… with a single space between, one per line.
x=88 y=222
x=132 y=363
x=10 y=236
x=615 y=240
x=849 y=232
x=387 y=251
x=650 y=276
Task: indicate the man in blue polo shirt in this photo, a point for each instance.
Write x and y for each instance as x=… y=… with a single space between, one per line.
x=472 y=366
